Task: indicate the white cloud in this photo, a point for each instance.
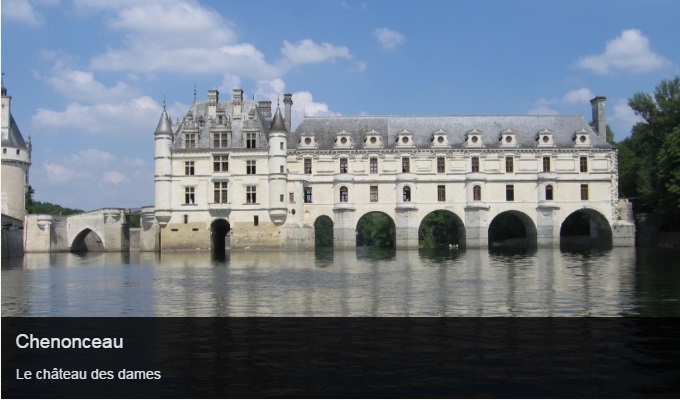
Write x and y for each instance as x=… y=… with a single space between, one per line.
x=58 y=174
x=622 y=118
x=308 y=52
x=114 y=177
x=629 y=52
x=578 y=96
x=81 y=86
x=21 y=11
x=542 y=106
x=388 y=38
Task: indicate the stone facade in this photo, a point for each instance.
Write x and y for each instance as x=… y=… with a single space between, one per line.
x=232 y=173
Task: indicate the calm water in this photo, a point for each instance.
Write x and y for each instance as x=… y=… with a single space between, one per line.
x=368 y=282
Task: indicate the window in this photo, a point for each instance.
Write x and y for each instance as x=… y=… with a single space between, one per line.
x=220 y=163
x=251 y=140
x=281 y=168
x=291 y=197
x=510 y=192
x=549 y=192
x=583 y=161
x=251 y=194
x=440 y=165
x=189 y=195
x=406 y=193
x=509 y=164
x=475 y=164
x=373 y=165
x=477 y=193
x=220 y=139
x=250 y=167
x=584 y=192
x=188 y=168
x=256 y=220
x=441 y=193
x=281 y=198
x=308 y=165
x=546 y=164
x=343 y=194
x=220 y=192
x=405 y=164
x=374 y=194
x=189 y=140
x=281 y=146
x=343 y=165
x=308 y=195
x=185 y=218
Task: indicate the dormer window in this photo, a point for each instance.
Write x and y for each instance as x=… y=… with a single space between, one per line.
x=581 y=138
x=307 y=141
x=372 y=139
x=473 y=138
x=343 y=140
x=439 y=139
x=405 y=139
x=545 y=138
x=508 y=138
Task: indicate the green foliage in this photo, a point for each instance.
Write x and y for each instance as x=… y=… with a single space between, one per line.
x=438 y=229
x=376 y=229
x=135 y=221
x=323 y=232
x=40 y=207
x=649 y=160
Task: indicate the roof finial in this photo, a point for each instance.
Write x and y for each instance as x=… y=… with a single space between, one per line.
x=164 y=102
x=194 y=93
x=277 y=99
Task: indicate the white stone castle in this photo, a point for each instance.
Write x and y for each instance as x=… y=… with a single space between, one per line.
x=233 y=173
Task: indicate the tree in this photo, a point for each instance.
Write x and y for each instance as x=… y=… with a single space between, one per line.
x=40 y=207
x=649 y=159
x=376 y=229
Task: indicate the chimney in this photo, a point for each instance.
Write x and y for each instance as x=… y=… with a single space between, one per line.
x=288 y=102
x=599 y=119
x=238 y=101
x=265 y=108
x=213 y=99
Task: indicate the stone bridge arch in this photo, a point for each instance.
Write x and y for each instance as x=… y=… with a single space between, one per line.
x=88 y=239
x=452 y=220
x=586 y=227
x=512 y=228
x=376 y=228
x=323 y=231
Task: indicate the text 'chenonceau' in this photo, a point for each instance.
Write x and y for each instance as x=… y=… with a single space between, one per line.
x=233 y=174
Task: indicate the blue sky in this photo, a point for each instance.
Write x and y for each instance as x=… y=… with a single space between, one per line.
x=88 y=78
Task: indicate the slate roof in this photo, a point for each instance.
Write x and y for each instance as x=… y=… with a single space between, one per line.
x=14 y=138
x=525 y=127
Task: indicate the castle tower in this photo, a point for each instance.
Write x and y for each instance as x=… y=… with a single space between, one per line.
x=278 y=143
x=163 y=169
x=16 y=161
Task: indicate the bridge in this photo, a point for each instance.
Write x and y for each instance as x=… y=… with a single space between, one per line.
x=106 y=229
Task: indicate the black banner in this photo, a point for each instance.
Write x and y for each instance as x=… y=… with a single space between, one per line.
x=340 y=357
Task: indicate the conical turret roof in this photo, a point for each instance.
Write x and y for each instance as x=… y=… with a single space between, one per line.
x=164 y=124
x=278 y=124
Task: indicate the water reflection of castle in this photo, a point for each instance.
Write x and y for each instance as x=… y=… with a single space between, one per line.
x=235 y=169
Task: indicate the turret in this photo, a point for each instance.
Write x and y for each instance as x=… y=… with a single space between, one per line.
x=16 y=161
x=163 y=168
x=278 y=181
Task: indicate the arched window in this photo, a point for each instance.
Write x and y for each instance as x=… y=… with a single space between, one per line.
x=477 y=193
x=549 y=192
x=343 y=194
x=407 y=193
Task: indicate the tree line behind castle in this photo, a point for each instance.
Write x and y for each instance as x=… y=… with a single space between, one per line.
x=649 y=175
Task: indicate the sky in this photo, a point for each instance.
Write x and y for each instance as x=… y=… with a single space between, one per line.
x=88 y=79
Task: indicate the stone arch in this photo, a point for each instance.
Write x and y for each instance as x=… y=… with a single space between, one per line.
x=323 y=231
x=512 y=228
x=376 y=228
x=586 y=227
x=448 y=232
x=219 y=235
x=87 y=240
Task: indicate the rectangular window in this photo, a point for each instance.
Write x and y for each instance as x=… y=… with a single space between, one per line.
x=405 y=164
x=251 y=140
x=281 y=168
x=441 y=193
x=308 y=195
x=308 y=165
x=281 y=146
x=440 y=165
x=186 y=218
x=220 y=140
x=510 y=192
x=189 y=195
x=189 y=168
x=189 y=140
x=374 y=165
x=583 y=161
x=475 y=164
x=509 y=164
x=220 y=189
x=256 y=220
x=281 y=198
x=220 y=163
x=374 y=194
x=343 y=165
x=584 y=192
x=291 y=197
x=546 y=164
x=251 y=194
x=250 y=167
